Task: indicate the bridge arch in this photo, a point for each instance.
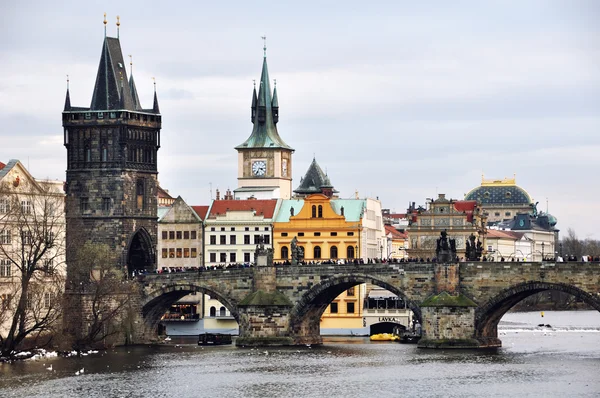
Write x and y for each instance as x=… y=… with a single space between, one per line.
x=488 y=315
x=305 y=316
x=159 y=300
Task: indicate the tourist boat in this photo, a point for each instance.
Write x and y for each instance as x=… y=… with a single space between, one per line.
x=384 y=337
x=214 y=339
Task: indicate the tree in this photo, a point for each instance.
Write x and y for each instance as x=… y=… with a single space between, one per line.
x=32 y=236
x=105 y=292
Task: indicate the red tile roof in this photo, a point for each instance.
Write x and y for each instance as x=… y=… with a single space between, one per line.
x=466 y=206
x=264 y=207
x=494 y=233
x=2 y=165
x=395 y=233
x=397 y=215
x=201 y=211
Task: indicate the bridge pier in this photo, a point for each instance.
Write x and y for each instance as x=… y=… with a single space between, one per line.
x=449 y=316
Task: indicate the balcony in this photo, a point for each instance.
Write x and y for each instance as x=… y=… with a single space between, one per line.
x=177 y=317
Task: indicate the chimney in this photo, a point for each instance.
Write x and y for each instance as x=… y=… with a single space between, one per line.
x=218 y=195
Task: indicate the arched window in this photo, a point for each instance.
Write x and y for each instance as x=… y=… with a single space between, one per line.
x=317 y=252
x=350 y=252
x=88 y=154
x=284 y=252
x=222 y=311
x=333 y=252
x=314 y=211
x=104 y=154
x=320 y=211
x=213 y=312
x=140 y=194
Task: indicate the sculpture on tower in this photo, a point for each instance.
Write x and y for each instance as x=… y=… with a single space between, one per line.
x=446 y=248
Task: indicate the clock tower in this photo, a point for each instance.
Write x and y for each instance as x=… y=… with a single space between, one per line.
x=264 y=159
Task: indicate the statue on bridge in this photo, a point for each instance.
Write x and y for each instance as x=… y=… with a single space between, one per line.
x=474 y=249
x=297 y=251
x=446 y=248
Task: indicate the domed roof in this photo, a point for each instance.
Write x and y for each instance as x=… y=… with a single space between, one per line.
x=499 y=192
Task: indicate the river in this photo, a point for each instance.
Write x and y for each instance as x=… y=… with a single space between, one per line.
x=558 y=361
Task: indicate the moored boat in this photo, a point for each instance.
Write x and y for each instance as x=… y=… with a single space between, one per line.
x=214 y=339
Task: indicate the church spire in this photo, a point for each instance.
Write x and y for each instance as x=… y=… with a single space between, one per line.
x=68 y=97
x=155 y=107
x=134 y=94
x=264 y=116
x=275 y=103
x=254 y=100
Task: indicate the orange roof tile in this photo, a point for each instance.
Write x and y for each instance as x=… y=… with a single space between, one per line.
x=264 y=207
x=201 y=211
x=395 y=233
x=2 y=165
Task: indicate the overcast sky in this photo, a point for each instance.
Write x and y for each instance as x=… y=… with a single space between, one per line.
x=396 y=100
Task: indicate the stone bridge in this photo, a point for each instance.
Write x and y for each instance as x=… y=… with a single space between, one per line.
x=459 y=304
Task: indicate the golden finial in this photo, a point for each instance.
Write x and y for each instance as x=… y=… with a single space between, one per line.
x=264 y=45
x=105 y=24
x=118 y=24
x=130 y=65
x=67 y=82
x=154 y=81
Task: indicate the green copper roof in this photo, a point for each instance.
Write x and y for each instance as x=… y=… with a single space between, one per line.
x=353 y=209
x=264 y=134
x=284 y=213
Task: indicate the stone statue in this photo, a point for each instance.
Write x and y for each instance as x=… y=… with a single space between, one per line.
x=446 y=248
x=474 y=249
x=294 y=250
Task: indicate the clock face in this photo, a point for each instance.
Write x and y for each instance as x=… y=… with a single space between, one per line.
x=284 y=167
x=521 y=223
x=259 y=168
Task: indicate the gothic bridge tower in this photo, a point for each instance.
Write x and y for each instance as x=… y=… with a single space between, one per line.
x=112 y=171
x=264 y=159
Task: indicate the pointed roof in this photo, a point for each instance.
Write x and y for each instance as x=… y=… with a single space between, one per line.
x=111 y=72
x=275 y=101
x=313 y=180
x=155 y=107
x=264 y=135
x=134 y=95
x=67 y=101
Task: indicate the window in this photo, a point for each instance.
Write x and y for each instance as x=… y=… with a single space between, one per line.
x=507 y=214
x=222 y=228
x=212 y=228
x=497 y=214
x=88 y=154
x=26 y=237
x=179 y=252
x=246 y=239
x=300 y=233
x=489 y=248
x=232 y=257
x=222 y=311
x=47 y=300
x=256 y=239
x=171 y=234
x=186 y=252
x=164 y=253
x=5 y=237
x=350 y=233
x=193 y=234
x=213 y=239
x=350 y=292
x=26 y=206
x=256 y=228
x=333 y=308
x=233 y=228
x=246 y=257
x=333 y=252
x=284 y=234
x=267 y=239
x=106 y=205
x=317 y=252
x=350 y=308
x=232 y=239
x=213 y=312
x=334 y=234
x=84 y=204
x=223 y=239
x=317 y=234
x=507 y=195
x=164 y=234
x=320 y=211
x=247 y=229
x=213 y=257
x=4 y=205
x=350 y=252
x=5 y=268
x=104 y=154
x=194 y=252
x=223 y=257
x=314 y=211
x=179 y=234
x=140 y=194
x=266 y=228
x=171 y=253
x=284 y=252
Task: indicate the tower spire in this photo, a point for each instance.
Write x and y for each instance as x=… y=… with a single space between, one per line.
x=155 y=107
x=264 y=37
x=68 y=97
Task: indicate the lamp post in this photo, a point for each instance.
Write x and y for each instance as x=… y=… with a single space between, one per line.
x=381 y=250
x=356 y=253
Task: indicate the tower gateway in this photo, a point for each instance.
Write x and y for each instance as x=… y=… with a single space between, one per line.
x=112 y=172
x=264 y=159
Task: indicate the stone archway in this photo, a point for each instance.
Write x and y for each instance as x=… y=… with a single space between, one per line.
x=488 y=315
x=305 y=316
x=140 y=253
x=160 y=300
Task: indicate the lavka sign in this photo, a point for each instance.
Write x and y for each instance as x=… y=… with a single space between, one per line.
x=388 y=319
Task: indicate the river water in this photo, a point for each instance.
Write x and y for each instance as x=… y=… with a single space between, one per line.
x=562 y=360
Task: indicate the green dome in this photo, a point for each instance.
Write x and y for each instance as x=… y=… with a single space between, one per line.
x=500 y=194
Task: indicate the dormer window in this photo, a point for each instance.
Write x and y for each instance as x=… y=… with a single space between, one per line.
x=486 y=195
